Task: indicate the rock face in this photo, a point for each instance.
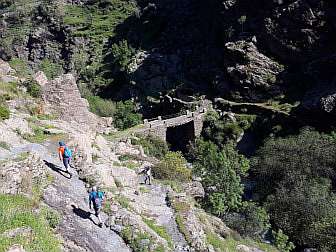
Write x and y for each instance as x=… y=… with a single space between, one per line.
x=299 y=30
x=154 y=72
x=7 y=74
x=63 y=98
x=252 y=70
x=18 y=176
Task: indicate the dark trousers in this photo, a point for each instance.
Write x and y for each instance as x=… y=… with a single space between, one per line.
x=148 y=178
x=66 y=162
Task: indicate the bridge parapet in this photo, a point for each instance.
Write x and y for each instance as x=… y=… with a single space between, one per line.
x=158 y=126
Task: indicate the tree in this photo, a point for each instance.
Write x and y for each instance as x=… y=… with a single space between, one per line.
x=306 y=211
x=310 y=153
x=122 y=54
x=251 y=220
x=221 y=172
x=294 y=178
x=125 y=115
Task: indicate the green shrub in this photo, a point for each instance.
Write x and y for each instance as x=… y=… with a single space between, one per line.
x=21 y=67
x=281 y=241
x=126 y=116
x=4 y=112
x=172 y=166
x=50 y=68
x=160 y=230
x=122 y=54
x=4 y=145
x=52 y=216
x=251 y=220
x=33 y=88
x=10 y=89
x=101 y=107
x=134 y=239
x=153 y=146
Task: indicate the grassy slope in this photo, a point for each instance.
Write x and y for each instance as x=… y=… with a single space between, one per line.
x=18 y=211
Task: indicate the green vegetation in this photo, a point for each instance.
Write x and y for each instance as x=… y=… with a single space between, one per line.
x=281 y=241
x=173 y=167
x=222 y=129
x=230 y=244
x=17 y=211
x=40 y=135
x=97 y=22
x=122 y=54
x=131 y=164
x=143 y=189
x=135 y=240
x=10 y=89
x=126 y=115
x=175 y=185
x=20 y=66
x=101 y=107
x=50 y=68
x=152 y=146
x=160 y=230
x=123 y=201
x=180 y=222
x=250 y=221
x=221 y=172
x=4 y=112
x=4 y=145
x=294 y=179
x=33 y=88
x=52 y=217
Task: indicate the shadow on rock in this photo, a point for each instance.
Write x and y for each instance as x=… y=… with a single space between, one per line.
x=82 y=213
x=57 y=169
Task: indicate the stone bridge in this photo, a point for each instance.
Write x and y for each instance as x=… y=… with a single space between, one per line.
x=177 y=130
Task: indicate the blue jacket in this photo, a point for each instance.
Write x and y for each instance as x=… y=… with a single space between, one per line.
x=93 y=196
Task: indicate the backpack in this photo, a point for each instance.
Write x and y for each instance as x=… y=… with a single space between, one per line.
x=67 y=152
x=97 y=199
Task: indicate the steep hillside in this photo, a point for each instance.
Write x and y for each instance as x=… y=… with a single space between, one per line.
x=231 y=102
x=51 y=206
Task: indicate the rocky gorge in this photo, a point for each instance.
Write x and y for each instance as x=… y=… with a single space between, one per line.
x=242 y=93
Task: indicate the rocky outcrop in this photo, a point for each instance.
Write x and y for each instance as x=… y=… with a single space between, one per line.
x=63 y=98
x=7 y=74
x=252 y=70
x=153 y=72
x=299 y=30
x=19 y=176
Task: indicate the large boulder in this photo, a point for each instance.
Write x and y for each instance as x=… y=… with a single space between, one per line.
x=251 y=71
x=63 y=98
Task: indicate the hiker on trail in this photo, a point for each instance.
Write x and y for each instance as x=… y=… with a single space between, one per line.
x=65 y=155
x=147 y=172
x=96 y=198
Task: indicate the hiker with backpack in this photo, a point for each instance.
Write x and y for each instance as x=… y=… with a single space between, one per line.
x=147 y=172
x=96 y=199
x=65 y=155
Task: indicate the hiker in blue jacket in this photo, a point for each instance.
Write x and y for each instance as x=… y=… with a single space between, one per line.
x=96 y=199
